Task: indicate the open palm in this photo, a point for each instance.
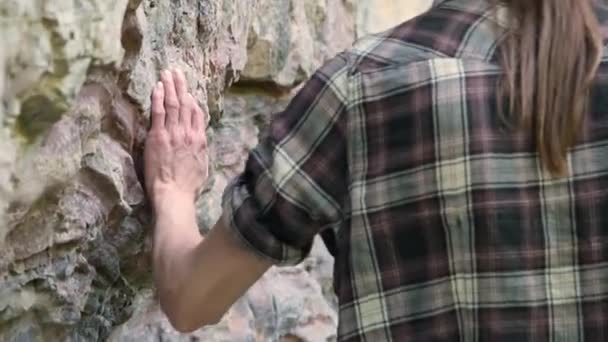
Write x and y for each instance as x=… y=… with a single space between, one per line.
x=176 y=159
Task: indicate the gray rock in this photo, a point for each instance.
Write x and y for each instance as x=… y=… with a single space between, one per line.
x=373 y=16
x=291 y=38
x=75 y=247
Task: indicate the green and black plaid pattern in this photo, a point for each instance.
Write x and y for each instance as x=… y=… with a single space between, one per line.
x=443 y=226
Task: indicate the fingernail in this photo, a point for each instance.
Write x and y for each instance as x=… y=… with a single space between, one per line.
x=159 y=85
x=167 y=73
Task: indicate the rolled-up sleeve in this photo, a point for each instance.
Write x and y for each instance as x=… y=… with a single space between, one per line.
x=295 y=181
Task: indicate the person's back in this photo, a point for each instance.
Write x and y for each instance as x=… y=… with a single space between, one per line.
x=456 y=166
x=478 y=182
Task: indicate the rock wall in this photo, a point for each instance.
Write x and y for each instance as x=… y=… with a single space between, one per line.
x=379 y=15
x=75 y=231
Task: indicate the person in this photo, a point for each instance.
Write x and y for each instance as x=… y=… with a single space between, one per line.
x=456 y=166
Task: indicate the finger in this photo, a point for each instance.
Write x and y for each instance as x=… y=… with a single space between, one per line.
x=158 y=107
x=171 y=100
x=181 y=89
x=197 y=117
x=186 y=107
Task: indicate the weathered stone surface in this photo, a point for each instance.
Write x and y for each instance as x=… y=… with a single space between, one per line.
x=49 y=47
x=374 y=16
x=289 y=39
x=75 y=95
x=74 y=226
x=6 y=158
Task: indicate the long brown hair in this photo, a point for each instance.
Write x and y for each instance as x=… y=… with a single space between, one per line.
x=551 y=55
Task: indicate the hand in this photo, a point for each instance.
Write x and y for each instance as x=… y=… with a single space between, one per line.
x=176 y=158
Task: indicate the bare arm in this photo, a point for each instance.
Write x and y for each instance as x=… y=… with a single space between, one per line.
x=280 y=203
x=197 y=279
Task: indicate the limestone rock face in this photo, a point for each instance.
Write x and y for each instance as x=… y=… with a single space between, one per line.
x=75 y=78
x=374 y=16
x=289 y=39
x=76 y=81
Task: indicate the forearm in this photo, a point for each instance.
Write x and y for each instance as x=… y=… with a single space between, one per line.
x=198 y=279
x=176 y=236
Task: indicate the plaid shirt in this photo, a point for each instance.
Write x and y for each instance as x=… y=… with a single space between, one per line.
x=442 y=225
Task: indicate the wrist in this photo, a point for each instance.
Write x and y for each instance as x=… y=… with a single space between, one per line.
x=167 y=198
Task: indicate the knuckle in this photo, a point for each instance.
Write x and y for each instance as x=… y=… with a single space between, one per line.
x=172 y=104
x=199 y=137
x=188 y=139
x=177 y=135
x=157 y=110
x=187 y=102
x=157 y=138
x=163 y=137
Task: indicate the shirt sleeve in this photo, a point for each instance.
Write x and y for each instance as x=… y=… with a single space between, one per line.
x=295 y=181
